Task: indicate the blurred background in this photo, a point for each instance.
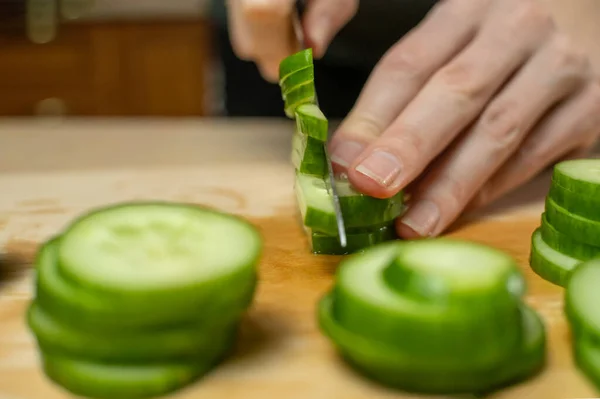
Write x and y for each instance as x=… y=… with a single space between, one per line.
x=108 y=58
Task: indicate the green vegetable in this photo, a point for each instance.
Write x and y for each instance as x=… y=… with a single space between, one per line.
x=437 y=316
x=549 y=263
x=297 y=78
x=294 y=63
x=564 y=244
x=356 y=241
x=579 y=176
x=308 y=155
x=311 y=122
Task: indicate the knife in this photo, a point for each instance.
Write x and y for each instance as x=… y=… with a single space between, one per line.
x=297 y=25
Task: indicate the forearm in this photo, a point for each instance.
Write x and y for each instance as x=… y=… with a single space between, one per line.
x=581 y=20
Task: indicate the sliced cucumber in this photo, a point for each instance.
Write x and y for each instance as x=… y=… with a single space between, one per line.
x=312 y=122
x=308 y=155
x=549 y=263
x=582 y=297
x=330 y=245
x=78 y=306
x=115 y=381
x=360 y=211
x=387 y=364
x=580 y=176
x=576 y=227
x=564 y=244
x=305 y=94
x=156 y=257
x=297 y=78
x=124 y=346
x=576 y=203
x=447 y=301
x=587 y=358
x=295 y=62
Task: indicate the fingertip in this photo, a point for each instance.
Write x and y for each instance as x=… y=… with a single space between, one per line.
x=405 y=232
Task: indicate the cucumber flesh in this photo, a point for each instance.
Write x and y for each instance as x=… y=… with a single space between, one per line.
x=390 y=366
x=143 y=255
x=576 y=203
x=582 y=297
x=308 y=155
x=295 y=62
x=297 y=78
x=330 y=245
x=311 y=121
x=304 y=94
x=578 y=228
x=581 y=176
x=458 y=327
x=549 y=263
x=124 y=346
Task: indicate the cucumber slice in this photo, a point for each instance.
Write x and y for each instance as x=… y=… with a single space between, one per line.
x=576 y=203
x=576 y=227
x=311 y=121
x=360 y=211
x=330 y=245
x=587 y=358
x=581 y=176
x=117 y=381
x=295 y=62
x=390 y=366
x=548 y=263
x=445 y=300
x=581 y=298
x=305 y=94
x=297 y=78
x=123 y=346
x=564 y=244
x=308 y=155
x=154 y=257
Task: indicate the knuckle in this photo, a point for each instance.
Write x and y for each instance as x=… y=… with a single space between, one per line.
x=568 y=57
x=463 y=79
x=530 y=15
x=501 y=124
x=452 y=190
x=406 y=62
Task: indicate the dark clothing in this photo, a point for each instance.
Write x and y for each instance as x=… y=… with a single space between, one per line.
x=339 y=76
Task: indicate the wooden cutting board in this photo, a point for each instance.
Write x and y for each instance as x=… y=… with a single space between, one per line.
x=50 y=172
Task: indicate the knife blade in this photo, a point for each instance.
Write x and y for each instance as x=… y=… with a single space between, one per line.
x=297 y=25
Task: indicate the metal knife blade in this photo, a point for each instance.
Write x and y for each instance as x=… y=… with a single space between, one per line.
x=332 y=186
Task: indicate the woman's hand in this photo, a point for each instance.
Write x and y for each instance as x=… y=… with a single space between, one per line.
x=263 y=31
x=478 y=99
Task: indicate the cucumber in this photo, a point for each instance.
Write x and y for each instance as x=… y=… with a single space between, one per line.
x=158 y=257
x=77 y=306
x=548 y=263
x=297 y=78
x=587 y=358
x=125 y=346
x=576 y=227
x=442 y=302
x=311 y=121
x=330 y=245
x=386 y=364
x=576 y=203
x=580 y=176
x=116 y=381
x=564 y=244
x=308 y=155
x=581 y=298
x=360 y=211
x=295 y=62
x=304 y=94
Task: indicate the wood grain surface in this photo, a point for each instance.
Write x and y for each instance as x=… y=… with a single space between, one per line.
x=50 y=173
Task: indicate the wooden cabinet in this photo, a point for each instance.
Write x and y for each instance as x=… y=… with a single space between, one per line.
x=108 y=69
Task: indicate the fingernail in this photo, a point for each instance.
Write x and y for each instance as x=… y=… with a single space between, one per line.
x=346 y=152
x=423 y=218
x=381 y=166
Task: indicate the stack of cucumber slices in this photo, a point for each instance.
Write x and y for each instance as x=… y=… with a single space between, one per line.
x=368 y=220
x=140 y=299
x=434 y=316
x=570 y=226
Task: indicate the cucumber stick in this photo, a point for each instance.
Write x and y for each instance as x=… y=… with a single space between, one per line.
x=434 y=316
x=140 y=299
x=330 y=245
x=308 y=155
x=311 y=121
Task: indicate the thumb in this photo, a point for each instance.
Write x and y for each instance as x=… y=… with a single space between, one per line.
x=324 y=19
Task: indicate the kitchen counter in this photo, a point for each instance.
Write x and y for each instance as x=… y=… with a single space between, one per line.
x=50 y=172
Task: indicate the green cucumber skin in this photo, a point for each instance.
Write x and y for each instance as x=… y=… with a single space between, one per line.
x=297 y=78
x=371 y=211
x=396 y=369
x=310 y=125
x=576 y=227
x=322 y=244
x=77 y=306
x=573 y=184
x=305 y=94
x=564 y=244
x=586 y=356
x=295 y=62
x=583 y=319
x=549 y=269
x=308 y=156
x=124 y=346
x=576 y=203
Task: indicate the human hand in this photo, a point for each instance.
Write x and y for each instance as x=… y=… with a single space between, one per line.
x=263 y=30
x=475 y=101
